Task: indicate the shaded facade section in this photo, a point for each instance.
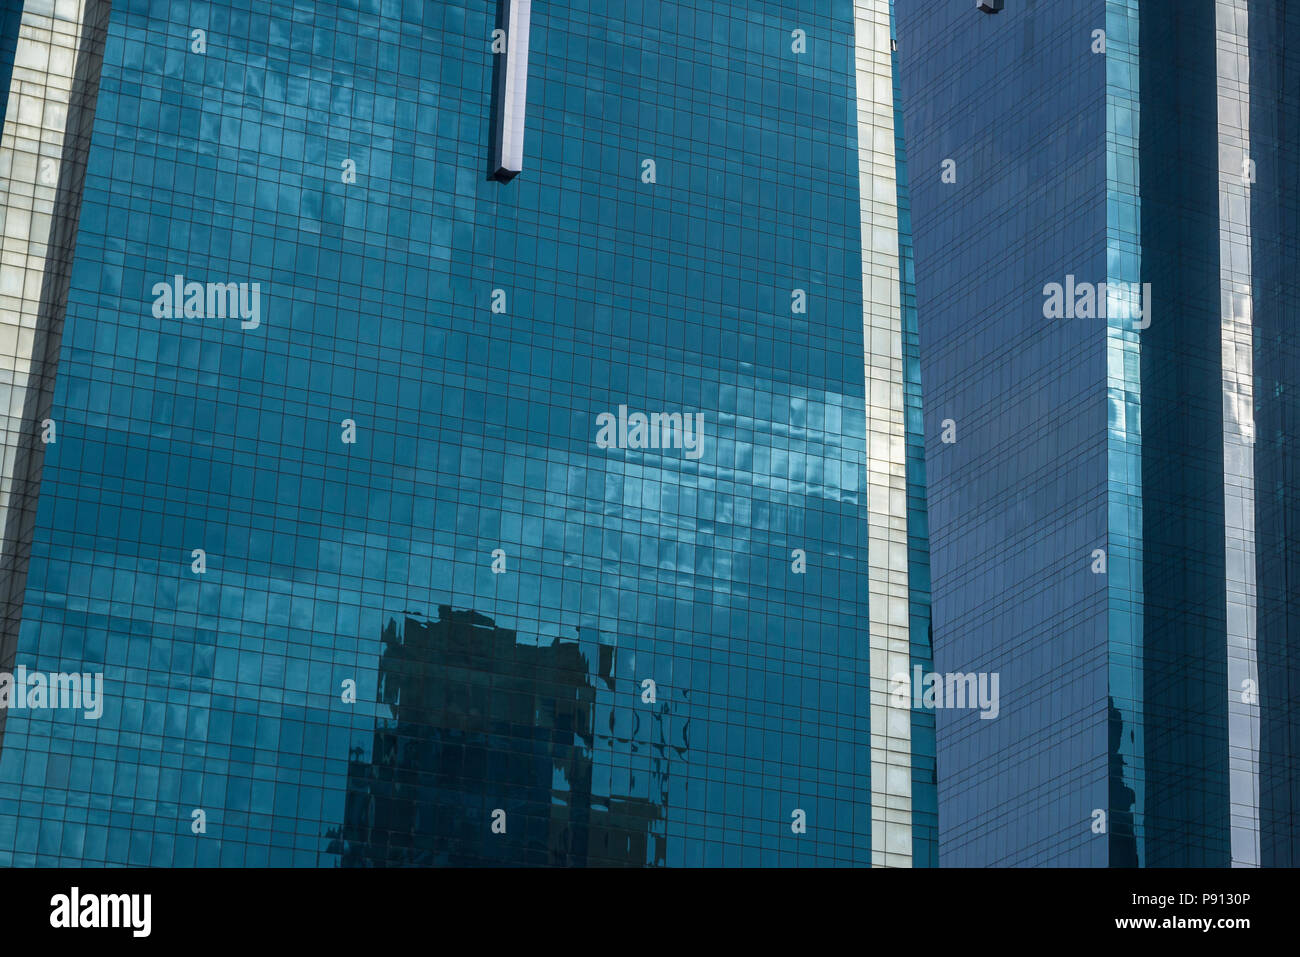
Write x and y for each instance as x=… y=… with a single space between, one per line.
x=1184 y=615
x=1017 y=499
x=483 y=724
x=1275 y=253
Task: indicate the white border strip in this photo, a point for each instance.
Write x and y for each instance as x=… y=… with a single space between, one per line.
x=1235 y=175
x=31 y=153
x=882 y=328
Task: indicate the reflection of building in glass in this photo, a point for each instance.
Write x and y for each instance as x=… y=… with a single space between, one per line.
x=481 y=722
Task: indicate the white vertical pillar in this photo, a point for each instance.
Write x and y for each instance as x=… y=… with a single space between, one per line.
x=1235 y=175
x=512 y=91
x=31 y=156
x=882 y=327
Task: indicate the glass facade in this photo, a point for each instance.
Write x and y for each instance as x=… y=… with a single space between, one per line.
x=333 y=499
x=1274 y=210
x=1125 y=575
x=1009 y=192
x=424 y=499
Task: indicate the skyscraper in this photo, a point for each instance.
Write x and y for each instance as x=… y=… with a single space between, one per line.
x=1105 y=241
x=452 y=450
